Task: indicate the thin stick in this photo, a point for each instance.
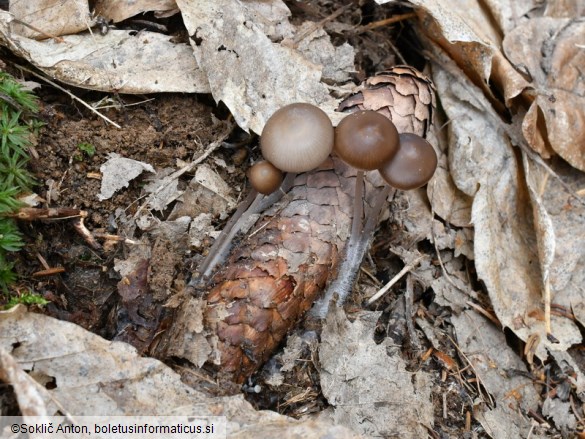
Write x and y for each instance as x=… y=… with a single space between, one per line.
x=71 y=95
x=395 y=279
x=385 y=22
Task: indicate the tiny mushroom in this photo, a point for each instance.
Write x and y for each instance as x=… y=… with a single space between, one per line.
x=413 y=165
x=366 y=140
x=265 y=177
x=297 y=138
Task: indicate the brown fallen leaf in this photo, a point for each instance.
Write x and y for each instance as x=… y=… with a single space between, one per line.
x=550 y=51
x=98 y=377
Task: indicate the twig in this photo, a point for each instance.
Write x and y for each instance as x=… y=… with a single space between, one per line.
x=59 y=213
x=71 y=95
x=395 y=279
x=80 y=228
x=486 y=314
x=49 y=272
x=115 y=238
x=385 y=22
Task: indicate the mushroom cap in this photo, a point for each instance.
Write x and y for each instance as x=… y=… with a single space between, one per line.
x=265 y=177
x=413 y=165
x=366 y=139
x=297 y=138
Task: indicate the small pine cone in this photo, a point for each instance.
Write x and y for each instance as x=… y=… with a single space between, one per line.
x=403 y=94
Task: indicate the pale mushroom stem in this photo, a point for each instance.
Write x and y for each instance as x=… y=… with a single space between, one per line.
x=358 y=204
x=356 y=248
x=252 y=204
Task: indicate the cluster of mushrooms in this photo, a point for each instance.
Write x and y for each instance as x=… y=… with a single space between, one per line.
x=299 y=137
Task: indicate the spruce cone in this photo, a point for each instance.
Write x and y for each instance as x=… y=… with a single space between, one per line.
x=402 y=94
x=273 y=277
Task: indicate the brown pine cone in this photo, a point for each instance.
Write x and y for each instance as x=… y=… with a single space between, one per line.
x=273 y=277
x=402 y=94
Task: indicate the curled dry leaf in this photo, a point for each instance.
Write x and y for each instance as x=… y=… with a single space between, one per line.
x=466 y=33
x=121 y=61
x=119 y=10
x=550 y=51
x=51 y=17
x=97 y=377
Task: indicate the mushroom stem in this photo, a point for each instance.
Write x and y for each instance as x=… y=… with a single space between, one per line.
x=358 y=204
x=253 y=203
x=355 y=250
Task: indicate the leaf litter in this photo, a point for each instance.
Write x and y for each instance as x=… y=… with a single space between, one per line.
x=527 y=236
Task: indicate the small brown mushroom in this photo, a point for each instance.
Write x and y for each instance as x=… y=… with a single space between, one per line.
x=413 y=165
x=265 y=177
x=297 y=138
x=366 y=140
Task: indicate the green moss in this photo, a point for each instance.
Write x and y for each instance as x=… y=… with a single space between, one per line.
x=17 y=125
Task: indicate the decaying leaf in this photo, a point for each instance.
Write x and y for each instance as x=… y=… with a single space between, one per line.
x=550 y=51
x=119 y=10
x=121 y=61
x=50 y=18
x=118 y=172
x=247 y=71
x=495 y=366
x=164 y=189
x=97 y=377
x=505 y=245
x=367 y=383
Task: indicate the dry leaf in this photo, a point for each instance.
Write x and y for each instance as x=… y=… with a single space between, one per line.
x=370 y=390
x=247 y=71
x=97 y=377
x=118 y=172
x=560 y=412
x=212 y=181
x=485 y=348
x=566 y=266
x=119 y=10
x=164 y=189
x=506 y=246
x=120 y=61
x=53 y=17
x=551 y=52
